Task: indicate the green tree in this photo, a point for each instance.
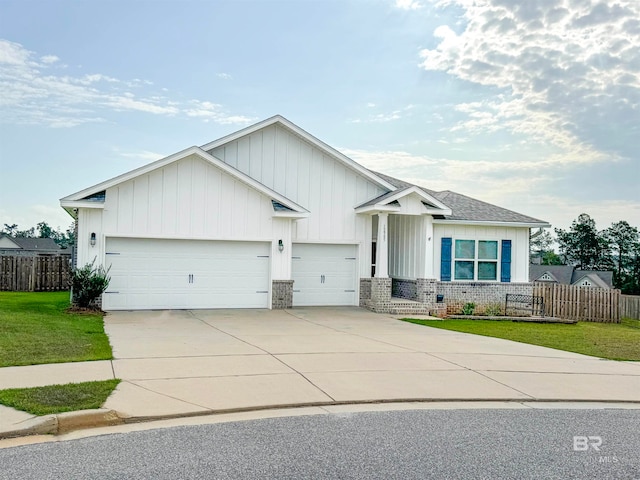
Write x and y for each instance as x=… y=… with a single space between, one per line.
x=624 y=240
x=583 y=245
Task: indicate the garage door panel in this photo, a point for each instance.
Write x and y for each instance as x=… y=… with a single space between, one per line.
x=179 y=274
x=324 y=274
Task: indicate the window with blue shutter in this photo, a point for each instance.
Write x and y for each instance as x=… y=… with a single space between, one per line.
x=445 y=260
x=505 y=262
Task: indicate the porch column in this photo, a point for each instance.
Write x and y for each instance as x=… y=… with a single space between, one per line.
x=382 y=246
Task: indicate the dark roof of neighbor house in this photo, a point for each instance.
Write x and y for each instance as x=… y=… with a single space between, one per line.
x=466 y=208
x=562 y=273
x=605 y=276
x=35 y=244
x=568 y=274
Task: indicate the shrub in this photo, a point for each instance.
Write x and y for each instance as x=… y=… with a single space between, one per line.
x=468 y=308
x=88 y=283
x=493 y=309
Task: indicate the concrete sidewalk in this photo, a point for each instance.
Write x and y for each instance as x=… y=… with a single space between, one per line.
x=182 y=363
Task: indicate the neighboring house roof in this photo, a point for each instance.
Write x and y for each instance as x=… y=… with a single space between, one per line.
x=33 y=244
x=466 y=209
x=561 y=273
x=600 y=278
x=569 y=275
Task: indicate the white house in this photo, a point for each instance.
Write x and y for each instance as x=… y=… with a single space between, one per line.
x=271 y=217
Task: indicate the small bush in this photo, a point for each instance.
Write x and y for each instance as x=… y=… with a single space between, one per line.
x=88 y=283
x=493 y=309
x=468 y=308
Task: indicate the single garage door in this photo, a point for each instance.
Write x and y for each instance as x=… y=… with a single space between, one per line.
x=181 y=274
x=324 y=274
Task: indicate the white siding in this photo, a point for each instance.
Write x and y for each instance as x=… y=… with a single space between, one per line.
x=519 y=245
x=305 y=174
x=189 y=199
x=407 y=246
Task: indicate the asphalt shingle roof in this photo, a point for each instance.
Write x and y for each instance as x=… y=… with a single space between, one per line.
x=466 y=208
x=39 y=244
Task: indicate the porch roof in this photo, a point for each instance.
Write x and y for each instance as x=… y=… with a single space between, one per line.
x=392 y=202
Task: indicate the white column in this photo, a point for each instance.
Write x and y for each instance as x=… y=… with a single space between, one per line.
x=429 y=267
x=382 y=246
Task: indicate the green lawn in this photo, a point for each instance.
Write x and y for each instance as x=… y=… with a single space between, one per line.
x=606 y=340
x=58 y=398
x=35 y=328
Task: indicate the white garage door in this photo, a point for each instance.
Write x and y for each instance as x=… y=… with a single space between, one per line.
x=180 y=274
x=324 y=274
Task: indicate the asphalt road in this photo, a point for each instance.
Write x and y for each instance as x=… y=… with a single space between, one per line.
x=439 y=444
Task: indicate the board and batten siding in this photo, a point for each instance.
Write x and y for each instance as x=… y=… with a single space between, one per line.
x=326 y=187
x=291 y=166
x=407 y=246
x=188 y=199
x=519 y=237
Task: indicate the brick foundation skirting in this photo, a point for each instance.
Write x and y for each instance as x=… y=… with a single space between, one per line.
x=483 y=294
x=281 y=294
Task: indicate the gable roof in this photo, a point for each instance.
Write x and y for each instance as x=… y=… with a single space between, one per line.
x=35 y=244
x=90 y=197
x=562 y=273
x=292 y=127
x=603 y=279
x=569 y=275
x=389 y=202
x=465 y=209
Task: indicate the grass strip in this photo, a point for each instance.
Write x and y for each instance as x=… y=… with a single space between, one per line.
x=35 y=328
x=613 y=341
x=58 y=398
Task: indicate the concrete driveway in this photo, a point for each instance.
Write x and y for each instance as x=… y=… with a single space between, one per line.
x=189 y=362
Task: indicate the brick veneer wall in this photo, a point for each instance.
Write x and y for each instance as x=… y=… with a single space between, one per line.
x=456 y=294
x=281 y=294
x=365 y=291
x=403 y=289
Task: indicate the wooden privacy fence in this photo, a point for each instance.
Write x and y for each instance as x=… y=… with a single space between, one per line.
x=630 y=306
x=35 y=274
x=579 y=303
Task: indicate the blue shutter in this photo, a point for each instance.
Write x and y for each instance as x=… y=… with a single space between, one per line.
x=505 y=262
x=445 y=260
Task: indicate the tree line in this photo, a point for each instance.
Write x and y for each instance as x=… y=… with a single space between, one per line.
x=64 y=238
x=616 y=248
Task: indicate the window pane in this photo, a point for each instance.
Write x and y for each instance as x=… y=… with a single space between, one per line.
x=464 y=270
x=488 y=250
x=487 y=270
x=465 y=249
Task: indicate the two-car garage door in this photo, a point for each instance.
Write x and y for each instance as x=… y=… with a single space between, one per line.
x=180 y=274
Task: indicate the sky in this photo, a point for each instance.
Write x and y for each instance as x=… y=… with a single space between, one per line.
x=531 y=105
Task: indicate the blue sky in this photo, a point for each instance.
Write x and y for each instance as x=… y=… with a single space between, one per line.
x=534 y=106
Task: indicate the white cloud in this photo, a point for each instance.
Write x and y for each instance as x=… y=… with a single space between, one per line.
x=49 y=59
x=568 y=72
x=384 y=116
x=144 y=155
x=408 y=4
x=33 y=95
x=224 y=76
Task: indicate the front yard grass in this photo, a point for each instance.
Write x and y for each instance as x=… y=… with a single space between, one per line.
x=614 y=341
x=58 y=398
x=35 y=328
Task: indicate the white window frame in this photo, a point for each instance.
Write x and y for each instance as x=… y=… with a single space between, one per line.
x=475 y=260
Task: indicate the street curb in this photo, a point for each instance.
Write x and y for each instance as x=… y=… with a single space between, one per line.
x=84 y=419
x=63 y=423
